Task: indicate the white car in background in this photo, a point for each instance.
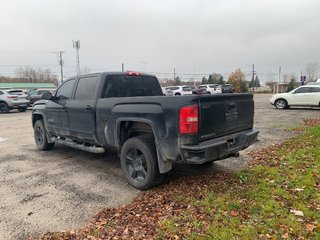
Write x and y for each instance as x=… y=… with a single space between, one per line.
x=181 y=90
x=211 y=88
x=166 y=91
x=307 y=95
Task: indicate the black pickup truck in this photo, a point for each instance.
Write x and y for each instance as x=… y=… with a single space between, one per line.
x=127 y=111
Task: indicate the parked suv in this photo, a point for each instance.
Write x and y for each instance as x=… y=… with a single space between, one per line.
x=227 y=88
x=211 y=88
x=13 y=99
x=181 y=90
x=36 y=95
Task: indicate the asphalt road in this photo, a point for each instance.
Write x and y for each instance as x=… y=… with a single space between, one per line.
x=64 y=188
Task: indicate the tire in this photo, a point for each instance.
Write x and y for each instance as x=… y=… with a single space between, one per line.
x=22 y=109
x=40 y=136
x=281 y=104
x=4 y=108
x=208 y=92
x=177 y=94
x=139 y=162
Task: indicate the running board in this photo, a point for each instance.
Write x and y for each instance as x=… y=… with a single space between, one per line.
x=70 y=143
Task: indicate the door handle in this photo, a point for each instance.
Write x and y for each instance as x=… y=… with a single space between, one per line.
x=88 y=107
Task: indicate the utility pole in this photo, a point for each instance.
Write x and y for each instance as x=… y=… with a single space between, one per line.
x=279 y=80
x=122 y=67
x=253 y=80
x=76 y=46
x=59 y=53
x=174 y=76
x=144 y=65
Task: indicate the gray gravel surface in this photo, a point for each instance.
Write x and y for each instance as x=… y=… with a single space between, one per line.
x=64 y=188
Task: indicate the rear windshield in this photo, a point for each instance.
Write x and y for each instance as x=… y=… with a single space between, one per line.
x=186 y=88
x=15 y=92
x=131 y=86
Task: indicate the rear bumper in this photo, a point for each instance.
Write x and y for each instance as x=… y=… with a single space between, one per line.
x=218 y=148
x=19 y=104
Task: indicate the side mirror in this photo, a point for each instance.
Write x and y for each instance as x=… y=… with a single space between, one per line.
x=47 y=96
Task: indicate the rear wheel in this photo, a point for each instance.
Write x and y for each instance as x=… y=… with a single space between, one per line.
x=4 y=108
x=281 y=104
x=139 y=162
x=40 y=136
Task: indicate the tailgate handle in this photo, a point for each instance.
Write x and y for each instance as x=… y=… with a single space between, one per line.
x=232 y=107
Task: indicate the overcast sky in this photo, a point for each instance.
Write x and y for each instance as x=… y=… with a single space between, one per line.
x=195 y=37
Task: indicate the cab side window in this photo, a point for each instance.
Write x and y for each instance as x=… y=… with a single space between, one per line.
x=33 y=93
x=65 y=90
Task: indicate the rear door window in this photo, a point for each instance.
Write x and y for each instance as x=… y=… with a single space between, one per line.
x=86 y=87
x=315 y=89
x=131 y=86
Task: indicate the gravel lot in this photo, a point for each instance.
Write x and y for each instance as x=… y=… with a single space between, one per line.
x=63 y=188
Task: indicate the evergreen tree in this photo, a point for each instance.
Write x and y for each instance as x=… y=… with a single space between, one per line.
x=204 y=80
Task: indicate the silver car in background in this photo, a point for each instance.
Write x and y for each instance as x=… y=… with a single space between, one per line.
x=13 y=99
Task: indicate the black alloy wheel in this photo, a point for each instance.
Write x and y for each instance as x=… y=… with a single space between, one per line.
x=139 y=162
x=40 y=136
x=22 y=109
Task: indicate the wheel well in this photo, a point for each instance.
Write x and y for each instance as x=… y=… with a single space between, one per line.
x=35 y=118
x=129 y=129
x=281 y=99
x=177 y=94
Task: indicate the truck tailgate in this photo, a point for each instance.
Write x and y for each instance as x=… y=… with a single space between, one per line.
x=224 y=114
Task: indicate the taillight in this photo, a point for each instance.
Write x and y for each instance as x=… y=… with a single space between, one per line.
x=12 y=97
x=133 y=74
x=189 y=119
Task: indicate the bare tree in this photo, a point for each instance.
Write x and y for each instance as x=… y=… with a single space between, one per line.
x=32 y=75
x=312 y=71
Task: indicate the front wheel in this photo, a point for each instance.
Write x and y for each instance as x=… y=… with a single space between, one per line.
x=40 y=136
x=22 y=109
x=139 y=162
x=281 y=104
